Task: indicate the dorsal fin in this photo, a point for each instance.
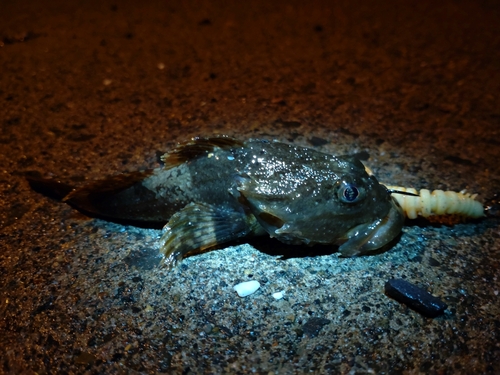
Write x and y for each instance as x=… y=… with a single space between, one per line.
x=196 y=147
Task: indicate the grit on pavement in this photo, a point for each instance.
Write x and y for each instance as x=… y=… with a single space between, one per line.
x=96 y=88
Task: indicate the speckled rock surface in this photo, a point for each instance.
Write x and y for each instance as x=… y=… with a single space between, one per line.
x=91 y=88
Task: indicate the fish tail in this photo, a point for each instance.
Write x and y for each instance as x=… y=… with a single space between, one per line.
x=54 y=189
x=120 y=198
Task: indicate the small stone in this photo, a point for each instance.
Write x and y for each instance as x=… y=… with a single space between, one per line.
x=312 y=327
x=278 y=295
x=415 y=297
x=290 y=317
x=85 y=358
x=246 y=288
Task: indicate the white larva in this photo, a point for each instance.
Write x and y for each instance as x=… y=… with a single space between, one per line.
x=437 y=202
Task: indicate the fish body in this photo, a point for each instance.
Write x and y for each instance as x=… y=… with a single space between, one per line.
x=214 y=190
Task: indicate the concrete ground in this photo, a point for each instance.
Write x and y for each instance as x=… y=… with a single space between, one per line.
x=95 y=88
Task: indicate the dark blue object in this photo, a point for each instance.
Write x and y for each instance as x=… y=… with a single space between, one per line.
x=415 y=297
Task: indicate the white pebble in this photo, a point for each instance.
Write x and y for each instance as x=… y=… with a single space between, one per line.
x=278 y=295
x=247 y=288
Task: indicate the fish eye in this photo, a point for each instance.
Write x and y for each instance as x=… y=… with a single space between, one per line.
x=349 y=193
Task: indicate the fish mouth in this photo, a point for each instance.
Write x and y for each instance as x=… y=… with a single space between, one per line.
x=365 y=238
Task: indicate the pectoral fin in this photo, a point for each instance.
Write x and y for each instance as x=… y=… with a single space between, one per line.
x=199 y=227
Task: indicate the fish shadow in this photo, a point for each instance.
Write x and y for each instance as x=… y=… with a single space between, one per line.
x=275 y=248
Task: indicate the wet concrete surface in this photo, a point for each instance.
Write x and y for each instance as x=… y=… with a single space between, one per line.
x=93 y=88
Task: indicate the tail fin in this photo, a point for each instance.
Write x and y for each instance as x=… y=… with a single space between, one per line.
x=49 y=187
x=120 y=198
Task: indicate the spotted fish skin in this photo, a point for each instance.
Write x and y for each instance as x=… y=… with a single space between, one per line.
x=214 y=190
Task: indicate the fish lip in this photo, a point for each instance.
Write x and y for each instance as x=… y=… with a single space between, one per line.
x=372 y=236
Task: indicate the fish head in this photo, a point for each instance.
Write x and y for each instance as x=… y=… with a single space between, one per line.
x=323 y=203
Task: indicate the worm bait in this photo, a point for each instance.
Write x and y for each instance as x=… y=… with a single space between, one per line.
x=428 y=203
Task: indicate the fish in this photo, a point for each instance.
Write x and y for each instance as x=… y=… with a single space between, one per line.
x=213 y=190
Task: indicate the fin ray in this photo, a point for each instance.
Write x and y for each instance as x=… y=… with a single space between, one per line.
x=199 y=227
x=196 y=147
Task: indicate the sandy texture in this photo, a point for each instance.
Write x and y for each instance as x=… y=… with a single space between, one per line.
x=92 y=88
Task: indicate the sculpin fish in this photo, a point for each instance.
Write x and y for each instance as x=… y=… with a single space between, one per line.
x=214 y=190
